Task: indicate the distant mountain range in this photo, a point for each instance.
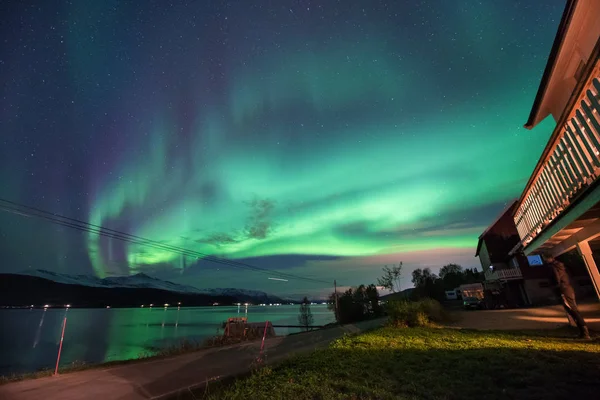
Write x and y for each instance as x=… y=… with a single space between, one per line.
x=42 y=286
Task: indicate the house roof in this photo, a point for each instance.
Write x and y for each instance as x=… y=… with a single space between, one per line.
x=558 y=41
x=506 y=209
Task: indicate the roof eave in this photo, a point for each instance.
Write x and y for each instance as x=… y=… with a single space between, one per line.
x=479 y=246
x=563 y=27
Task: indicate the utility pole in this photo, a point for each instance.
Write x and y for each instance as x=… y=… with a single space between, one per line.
x=337 y=311
x=400 y=276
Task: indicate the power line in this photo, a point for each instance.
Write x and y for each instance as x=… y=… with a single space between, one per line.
x=23 y=210
x=102 y=231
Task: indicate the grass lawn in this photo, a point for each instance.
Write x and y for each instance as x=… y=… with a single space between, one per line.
x=431 y=363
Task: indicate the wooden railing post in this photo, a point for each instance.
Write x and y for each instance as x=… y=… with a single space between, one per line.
x=572 y=163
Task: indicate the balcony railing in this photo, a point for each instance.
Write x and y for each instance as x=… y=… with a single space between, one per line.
x=503 y=274
x=571 y=165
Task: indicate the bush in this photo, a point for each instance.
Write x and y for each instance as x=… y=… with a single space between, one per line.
x=415 y=313
x=356 y=304
x=434 y=310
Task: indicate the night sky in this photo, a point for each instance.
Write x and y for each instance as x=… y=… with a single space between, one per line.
x=320 y=138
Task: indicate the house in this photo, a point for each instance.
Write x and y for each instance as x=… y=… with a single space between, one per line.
x=511 y=280
x=558 y=212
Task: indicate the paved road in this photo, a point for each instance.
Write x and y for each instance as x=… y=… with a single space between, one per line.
x=525 y=318
x=171 y=376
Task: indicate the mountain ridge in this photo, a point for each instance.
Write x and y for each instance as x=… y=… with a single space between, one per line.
x=147 y=282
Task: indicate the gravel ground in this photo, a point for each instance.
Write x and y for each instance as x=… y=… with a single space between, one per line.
x=549 y=317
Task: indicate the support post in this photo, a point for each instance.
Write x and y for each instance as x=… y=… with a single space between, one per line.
x=62 y=336
x=585 y=251
x=337 y=311
x=262 y=345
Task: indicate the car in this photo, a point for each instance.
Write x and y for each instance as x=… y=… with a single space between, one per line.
x=472 y=303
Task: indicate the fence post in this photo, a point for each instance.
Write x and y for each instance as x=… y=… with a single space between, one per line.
x=62 y=336
x=262 y=345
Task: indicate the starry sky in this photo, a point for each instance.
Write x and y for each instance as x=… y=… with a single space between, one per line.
x=324 y=139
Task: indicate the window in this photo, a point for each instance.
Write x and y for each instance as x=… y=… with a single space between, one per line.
x=535 y=260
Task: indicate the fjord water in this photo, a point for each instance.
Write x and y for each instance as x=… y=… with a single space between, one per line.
x=30 y=337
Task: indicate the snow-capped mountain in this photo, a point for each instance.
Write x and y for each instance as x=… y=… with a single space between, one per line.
x=243 y=294
x=84 y=280
x=142 y=280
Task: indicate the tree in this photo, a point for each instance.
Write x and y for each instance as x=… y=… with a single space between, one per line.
x=372 y=297
x=471 y=275
x=452 y=275
x=305 y=317
x=391 y=278
x=357 y=304
x=427 y=284
x=450 y=269
x=421 y=277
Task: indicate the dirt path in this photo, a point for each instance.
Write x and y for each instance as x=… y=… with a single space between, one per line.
x=525 y=318
x=175 y=375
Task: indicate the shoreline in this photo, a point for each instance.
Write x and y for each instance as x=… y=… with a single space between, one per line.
x=159 y=377
x=184 y=347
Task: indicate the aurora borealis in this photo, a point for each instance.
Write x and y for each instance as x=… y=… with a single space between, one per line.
x=324 y=139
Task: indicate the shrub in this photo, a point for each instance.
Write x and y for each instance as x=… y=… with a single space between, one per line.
x=419 y=318
x=356 y=304
x=415 y=313
x=434 y=310
x=305 y=317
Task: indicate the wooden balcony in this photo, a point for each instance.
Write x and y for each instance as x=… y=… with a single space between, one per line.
x=503 y=274
x=571 y=163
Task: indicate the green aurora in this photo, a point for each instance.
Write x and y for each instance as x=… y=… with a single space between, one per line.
x=315 y=146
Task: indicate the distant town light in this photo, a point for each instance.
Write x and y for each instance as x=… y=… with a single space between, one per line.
x=178 y=303
x=46 y=305
x=166 y=305
x=142 y=306
x=151 y=305
x=68 y=306
x=107 y=306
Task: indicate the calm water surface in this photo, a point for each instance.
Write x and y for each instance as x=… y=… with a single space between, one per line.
x=29 y=338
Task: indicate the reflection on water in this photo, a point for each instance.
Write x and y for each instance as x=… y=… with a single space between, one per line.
x=39 y=329
x=99 y=335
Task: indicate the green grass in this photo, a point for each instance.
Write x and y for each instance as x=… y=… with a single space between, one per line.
x=431 y=363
